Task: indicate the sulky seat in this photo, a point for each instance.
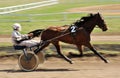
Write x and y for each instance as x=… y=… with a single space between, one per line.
x=17 y=47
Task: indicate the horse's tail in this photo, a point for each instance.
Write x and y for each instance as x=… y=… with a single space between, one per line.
x=36 y=33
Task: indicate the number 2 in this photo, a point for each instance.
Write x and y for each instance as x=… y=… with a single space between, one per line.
x=73 y=29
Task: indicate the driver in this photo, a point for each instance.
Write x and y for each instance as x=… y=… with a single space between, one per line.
x=22 y=40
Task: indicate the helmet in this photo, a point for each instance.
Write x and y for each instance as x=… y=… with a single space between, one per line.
x=17 y=26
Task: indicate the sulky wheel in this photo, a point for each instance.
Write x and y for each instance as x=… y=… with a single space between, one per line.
x=28 y=63
x=41 y=57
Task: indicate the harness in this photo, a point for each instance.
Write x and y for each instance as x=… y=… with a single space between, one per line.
x=73 y=34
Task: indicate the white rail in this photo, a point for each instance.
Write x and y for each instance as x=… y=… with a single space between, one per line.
x=11 y=9
x=64 y=16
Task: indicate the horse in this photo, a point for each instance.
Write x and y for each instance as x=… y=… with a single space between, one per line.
x=81 y=37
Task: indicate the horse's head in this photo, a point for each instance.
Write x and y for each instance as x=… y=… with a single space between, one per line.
x=100 y=22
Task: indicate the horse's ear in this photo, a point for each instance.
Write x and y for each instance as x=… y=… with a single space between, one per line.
x=98 y=13
x=91 y=14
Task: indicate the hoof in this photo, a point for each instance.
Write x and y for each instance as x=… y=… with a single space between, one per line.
x=71 y=62
x=106 y=61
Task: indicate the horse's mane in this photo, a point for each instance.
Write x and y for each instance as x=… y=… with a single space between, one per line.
x=84 y=19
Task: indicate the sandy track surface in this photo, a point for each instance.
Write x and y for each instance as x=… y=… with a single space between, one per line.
x=84 y=67
x=111 y=9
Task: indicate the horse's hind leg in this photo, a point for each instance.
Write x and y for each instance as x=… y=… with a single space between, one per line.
x=42 y=47
x=56 y=44
x=98 y=54
x=80 y=51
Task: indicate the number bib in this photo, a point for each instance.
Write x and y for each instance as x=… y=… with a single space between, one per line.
x=73 y=29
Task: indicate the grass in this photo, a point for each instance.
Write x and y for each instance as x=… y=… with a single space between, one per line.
x=33 y=22
x=6 y=3
x=6 y=28
x=64 y=5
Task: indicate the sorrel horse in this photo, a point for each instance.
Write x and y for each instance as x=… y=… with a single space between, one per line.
x=81 y=37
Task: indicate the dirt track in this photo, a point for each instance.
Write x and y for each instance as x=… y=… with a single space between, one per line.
x=85 y=67
x=104 y=9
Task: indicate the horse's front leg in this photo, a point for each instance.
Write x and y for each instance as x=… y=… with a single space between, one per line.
x=56 y=44
x=98 y=54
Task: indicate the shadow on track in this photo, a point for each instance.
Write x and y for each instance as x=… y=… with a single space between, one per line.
x=38 y=70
